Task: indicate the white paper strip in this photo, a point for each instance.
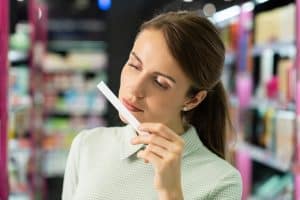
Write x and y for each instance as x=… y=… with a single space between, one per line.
x=119 y=106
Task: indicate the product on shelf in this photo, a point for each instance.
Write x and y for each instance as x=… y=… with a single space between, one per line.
x=19 y=157
x=275 y=187
x=75 y=61
x=277 y=25
x=19 y=145
x=73 y=94
x=59 y=133
x=20 y=39
x=71 y=101
x=20 y=103
x=260 y=77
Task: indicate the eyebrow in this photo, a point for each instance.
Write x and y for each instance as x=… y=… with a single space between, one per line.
x=157 y=73
x=136 y=56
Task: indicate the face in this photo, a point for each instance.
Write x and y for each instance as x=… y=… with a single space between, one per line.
x=153 y=87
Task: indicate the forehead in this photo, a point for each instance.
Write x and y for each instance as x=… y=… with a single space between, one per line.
x=151 y=47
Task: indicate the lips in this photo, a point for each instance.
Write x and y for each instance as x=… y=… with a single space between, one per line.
x=131 y=107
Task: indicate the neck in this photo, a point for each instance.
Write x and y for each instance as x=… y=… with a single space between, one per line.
x=179 y=127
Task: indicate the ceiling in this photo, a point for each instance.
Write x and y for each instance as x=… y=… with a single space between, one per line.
x=88 y=8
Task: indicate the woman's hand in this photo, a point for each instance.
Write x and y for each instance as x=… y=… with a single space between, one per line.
x=164 y=150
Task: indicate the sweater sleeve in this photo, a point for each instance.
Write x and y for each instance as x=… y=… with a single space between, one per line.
x=71 y=170
x=228 y=188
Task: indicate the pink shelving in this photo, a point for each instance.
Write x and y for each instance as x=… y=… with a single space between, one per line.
x=4 y=22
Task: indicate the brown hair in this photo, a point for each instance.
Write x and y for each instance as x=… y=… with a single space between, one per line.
x=195 y=43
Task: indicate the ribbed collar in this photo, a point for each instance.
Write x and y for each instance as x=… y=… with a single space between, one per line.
x=190 y=137
x=126 y=148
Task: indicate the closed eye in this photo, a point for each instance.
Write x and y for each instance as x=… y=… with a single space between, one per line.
x=163 y=86
x=134 y=66
x=158 y=80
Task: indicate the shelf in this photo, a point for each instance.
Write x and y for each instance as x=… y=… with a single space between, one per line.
x=54 y=162
x=261 y=103
x=74 y=113
x=66 y=45
x=75 y=62
x=23 y=104
x=283 y=48
x=282 y=197
x=73 y=70
x=68 y=25
x=18 y=108
x=264 y=103
x=264 y=157
x=19 y=196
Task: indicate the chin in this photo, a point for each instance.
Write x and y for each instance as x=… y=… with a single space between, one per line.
x=126 y=122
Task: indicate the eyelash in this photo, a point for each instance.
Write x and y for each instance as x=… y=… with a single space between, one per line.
x=160 y=85
x=155 y=79
x=134 y=66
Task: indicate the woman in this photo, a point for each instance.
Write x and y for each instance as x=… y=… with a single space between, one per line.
x=171 y=84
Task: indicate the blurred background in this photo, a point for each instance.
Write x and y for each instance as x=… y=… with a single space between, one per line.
x=53 y=53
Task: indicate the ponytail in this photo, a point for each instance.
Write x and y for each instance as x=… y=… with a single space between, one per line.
x=210 y=119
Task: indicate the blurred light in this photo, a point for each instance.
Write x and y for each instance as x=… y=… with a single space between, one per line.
x=248 y=7
x=209 y=9
x=82 y=4
x=104 y=4
x=40 y=13
x=188 y=0
x=16 y=55
x=227 y=14
x=20 y=0
x=261 y=1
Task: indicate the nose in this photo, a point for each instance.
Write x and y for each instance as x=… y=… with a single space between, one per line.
x=138 y=87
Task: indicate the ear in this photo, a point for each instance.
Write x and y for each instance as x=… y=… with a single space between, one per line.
x=195 y=100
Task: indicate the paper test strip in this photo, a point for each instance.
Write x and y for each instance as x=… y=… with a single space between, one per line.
x=119 y=106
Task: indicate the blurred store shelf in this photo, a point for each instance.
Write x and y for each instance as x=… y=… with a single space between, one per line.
x=20 y=103
x=19 y=196
x=68 y=45
x=69 y=112
x=283 y=48
x=79 y=62
x=54 y=162
x=265 y=157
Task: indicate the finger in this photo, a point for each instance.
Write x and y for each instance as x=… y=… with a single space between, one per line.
x=146 y=161
x=152 y=139
x=159 y=129
x=149 y=156
x=161 y=152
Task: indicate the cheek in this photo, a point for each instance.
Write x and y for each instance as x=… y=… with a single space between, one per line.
x=123 y=81
x=170 y=104
x=123 y=75
x=163 y=110
x=126 y=76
